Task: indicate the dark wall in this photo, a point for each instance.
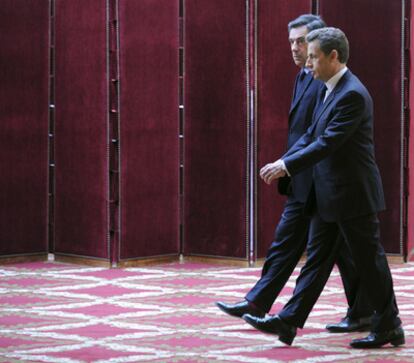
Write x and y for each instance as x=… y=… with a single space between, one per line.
x=373 y=28
x=81 y=141
x=276 y=75
x=24 y=126
x=149 y=128
x=215 y=177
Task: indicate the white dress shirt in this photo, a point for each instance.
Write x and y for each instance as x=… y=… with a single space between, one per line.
x=333 y=81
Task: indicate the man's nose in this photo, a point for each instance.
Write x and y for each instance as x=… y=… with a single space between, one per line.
x=308 y=63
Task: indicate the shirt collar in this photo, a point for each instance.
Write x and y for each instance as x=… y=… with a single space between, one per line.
x=333 y=81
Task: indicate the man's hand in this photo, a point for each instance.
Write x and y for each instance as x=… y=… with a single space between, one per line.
x=272 y=171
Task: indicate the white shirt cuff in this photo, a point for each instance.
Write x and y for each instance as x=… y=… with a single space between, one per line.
x=284 y=167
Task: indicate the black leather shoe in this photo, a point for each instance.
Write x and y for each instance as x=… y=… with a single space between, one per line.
x=273 y=325
x=376 y=340
x=241 y=308
x=347 y=325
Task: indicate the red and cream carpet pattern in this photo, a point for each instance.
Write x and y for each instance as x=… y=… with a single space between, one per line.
x=61 y=313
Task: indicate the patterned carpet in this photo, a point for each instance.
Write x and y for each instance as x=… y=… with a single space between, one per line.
x=61 y=313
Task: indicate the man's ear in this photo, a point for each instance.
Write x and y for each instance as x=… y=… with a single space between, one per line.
x=334 y=55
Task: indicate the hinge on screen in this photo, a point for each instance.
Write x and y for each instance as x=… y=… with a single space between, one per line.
x=406 y=191
x=406 y=169
x=407 y=33
x=406 y=90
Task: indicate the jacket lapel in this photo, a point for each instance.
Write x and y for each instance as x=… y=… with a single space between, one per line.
x=325 y=105
x=306 y=82
x=332 y=96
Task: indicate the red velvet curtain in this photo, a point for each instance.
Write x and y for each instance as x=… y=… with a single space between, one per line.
x=149 y=128
x=81 y=131
x=215 y=160
x=215 y=215
x=24 y=126
x=410 y=211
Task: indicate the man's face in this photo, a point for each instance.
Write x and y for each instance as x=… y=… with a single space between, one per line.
x=318 y=62
x=298 y=45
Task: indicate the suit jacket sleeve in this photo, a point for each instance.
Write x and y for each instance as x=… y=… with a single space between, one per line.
x=315 y=145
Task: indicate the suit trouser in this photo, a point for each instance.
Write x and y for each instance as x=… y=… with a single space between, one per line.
x=361 y=234
x=284 y=254
x=359 y=305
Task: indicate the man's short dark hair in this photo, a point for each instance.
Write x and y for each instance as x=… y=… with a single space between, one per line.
x=331 y=39
x=311 y=22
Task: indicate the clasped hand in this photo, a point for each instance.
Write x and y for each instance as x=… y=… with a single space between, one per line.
x=272 y=171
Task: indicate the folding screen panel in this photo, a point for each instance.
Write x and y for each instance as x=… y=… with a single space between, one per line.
x=115 y=94
x=410 y=222
x=149 y=133
x=81 y=141
x=275 y=78
x=215 y=134
x=374 y=30
x=24 y=126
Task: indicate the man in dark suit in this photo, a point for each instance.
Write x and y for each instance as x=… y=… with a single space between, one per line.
x=345 y=197
x=291 y=233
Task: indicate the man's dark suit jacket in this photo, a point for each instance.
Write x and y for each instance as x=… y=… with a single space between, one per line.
x=339 y=145
x=300 y=118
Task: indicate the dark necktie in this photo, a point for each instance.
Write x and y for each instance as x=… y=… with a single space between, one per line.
x=302 y=75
